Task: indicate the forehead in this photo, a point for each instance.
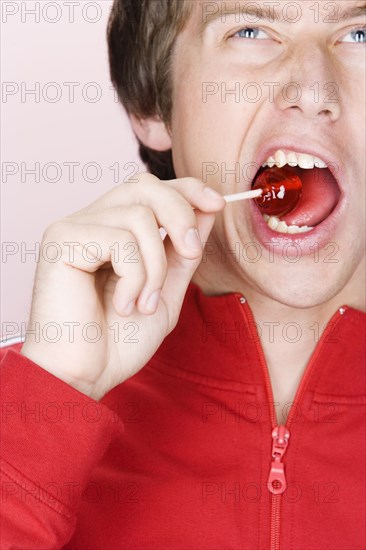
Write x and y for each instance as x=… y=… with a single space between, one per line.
x=249 y=12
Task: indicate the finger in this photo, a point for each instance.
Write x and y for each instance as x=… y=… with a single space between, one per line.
x=181 y=270
x=198 y=194
x=170 y=208
x=149 y=190
x=172 y=203
x=88 y=247
x=141 y=222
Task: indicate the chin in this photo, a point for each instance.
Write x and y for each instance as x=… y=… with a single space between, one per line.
x=306 y=288
x=300 y=298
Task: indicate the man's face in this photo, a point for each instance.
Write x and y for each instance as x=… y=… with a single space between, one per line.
x=283 y=76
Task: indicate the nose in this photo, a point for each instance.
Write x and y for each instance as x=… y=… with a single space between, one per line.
x=311 y=89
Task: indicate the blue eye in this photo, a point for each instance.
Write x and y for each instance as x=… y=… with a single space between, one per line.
x=356 y=36
x=251 y=33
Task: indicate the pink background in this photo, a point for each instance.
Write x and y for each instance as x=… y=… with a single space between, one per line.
x=47 y=131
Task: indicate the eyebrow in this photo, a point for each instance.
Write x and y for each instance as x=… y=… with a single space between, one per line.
x=248 y=10
x=245 y=10
x=356 y=11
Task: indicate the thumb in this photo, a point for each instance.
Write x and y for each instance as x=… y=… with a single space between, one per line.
x=181 y=270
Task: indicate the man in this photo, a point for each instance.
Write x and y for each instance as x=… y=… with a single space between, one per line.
x=245 y=428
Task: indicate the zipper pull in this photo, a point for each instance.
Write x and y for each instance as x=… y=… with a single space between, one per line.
x=277 y=480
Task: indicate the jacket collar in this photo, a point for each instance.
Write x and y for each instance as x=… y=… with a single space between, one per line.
x=216 y=340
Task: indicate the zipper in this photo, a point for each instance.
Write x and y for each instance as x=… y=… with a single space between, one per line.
x=276 y=483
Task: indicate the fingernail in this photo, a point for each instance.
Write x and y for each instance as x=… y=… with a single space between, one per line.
x=192 y=239
x=211 y=193
x=153 y=300
x=128 y=309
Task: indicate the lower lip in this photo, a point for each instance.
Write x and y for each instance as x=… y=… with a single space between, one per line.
x=320 y=236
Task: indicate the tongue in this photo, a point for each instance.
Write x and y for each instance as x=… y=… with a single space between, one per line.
x=320 y=194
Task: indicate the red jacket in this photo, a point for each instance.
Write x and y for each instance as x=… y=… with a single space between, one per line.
x=179 y=456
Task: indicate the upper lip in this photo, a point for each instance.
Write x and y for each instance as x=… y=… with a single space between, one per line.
x=293 y=144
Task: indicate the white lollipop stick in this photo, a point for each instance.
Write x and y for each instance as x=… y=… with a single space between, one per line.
x=229 y=198
x=253 y=194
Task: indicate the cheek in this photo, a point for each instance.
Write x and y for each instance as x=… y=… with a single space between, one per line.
x=194 y=125
x=207 y=126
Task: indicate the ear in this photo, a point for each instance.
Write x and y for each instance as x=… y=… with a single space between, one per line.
x=152 y=132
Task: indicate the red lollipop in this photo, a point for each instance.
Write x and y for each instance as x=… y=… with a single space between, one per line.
x=281 y=190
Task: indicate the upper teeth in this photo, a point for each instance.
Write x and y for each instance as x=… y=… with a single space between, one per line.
x=280 y=158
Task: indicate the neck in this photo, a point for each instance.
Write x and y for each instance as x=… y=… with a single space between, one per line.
x=288 y=335
x=352 y=294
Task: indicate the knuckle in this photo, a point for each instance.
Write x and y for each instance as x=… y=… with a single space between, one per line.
x=125 y=237
x=142 y=214
x=179 y=212
x=146 y=177
x=141 y=178
x=54 y=231
x=192 y=182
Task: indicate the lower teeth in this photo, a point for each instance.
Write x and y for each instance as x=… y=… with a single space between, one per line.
x=276 y=224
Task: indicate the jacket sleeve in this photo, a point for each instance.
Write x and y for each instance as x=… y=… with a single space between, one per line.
x=51 y=438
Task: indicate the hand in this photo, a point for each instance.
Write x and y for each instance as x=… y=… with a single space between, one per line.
x=115 y=289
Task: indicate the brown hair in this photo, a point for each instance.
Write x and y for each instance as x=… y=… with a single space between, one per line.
x=141 y=35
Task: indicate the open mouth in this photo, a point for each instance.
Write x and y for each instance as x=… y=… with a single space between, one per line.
x=319 y=194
